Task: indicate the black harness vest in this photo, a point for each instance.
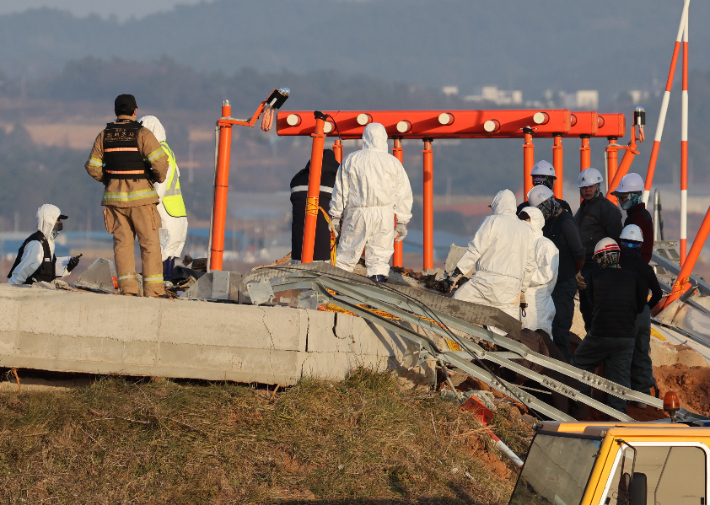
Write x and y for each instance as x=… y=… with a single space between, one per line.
x=122 y=160
x=47 y=270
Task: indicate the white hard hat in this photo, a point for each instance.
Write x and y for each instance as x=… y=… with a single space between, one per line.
x=632 y=233
x=539 y=194
x=542 y=167
x=630 y=183
x=606 y=245
x=589 y=177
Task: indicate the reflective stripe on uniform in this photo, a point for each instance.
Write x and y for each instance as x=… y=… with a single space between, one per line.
x=96 y=162
x=156 y=154
x=120 y=149
x=123 y=278
x=153 y=278
x=172 y=199
x=127 y=172
x=323 y=189
x=129 y=196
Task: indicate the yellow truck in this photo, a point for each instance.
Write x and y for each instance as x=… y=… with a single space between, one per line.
x=588 y=463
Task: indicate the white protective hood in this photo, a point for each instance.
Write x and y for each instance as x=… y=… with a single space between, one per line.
x=375 y=137
x=155 y=126
x=537 y=220
x=504 y=203
x=47 y=216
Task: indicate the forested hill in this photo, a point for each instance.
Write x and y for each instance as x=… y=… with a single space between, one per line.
x=606 y=45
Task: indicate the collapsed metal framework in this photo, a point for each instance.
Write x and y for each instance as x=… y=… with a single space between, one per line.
x=412 y=316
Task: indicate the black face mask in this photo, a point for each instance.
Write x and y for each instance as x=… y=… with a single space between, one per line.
x=544 y=180
x=58 y=226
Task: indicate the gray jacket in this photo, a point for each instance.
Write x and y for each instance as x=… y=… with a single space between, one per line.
x=597 y=218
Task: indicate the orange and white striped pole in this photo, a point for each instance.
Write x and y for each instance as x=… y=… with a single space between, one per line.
x=664 y=106
x=684 y=150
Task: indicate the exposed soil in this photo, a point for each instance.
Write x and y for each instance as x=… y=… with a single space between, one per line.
x=692 y=384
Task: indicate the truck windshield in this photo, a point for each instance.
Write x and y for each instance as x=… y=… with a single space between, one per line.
x=556 y=470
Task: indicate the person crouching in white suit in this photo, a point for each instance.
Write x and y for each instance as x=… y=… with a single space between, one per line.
x=502 y=254
x=371 y=187
x=541 y=309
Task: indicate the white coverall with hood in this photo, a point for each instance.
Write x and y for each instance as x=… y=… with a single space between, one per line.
x=47 y=216
x=173 y=230
x=502 y=253
x=541 y=309
x=371 y=186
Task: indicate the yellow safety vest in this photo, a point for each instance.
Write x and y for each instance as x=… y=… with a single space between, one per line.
x=172 y=199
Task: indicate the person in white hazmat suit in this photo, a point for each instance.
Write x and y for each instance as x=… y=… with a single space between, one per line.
x=173 y=216
x=541 y=309
x=502 y=253
x=35 y=260
x=371 y=187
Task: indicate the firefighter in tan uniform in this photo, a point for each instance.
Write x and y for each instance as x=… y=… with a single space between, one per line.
x=128 y=159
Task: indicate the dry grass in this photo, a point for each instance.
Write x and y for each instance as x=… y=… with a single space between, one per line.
x=364 y=440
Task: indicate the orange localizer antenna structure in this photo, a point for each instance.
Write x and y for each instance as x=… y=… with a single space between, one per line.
x=223 y=134
x=428 y=204
x=397 y=153
x=684 y=150
x=664 y=105
x=528 y=160
x=585 y=153
x=221 y=190
x=558 y=161
x=312 y=200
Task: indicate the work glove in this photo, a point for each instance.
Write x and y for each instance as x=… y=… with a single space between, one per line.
x=452 y=279
x=401 y=228
x=523 y=304
x=581 y=285
x=73 y=262
x=335 y=221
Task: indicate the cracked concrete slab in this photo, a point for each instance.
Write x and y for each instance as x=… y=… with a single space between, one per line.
x=107 y=334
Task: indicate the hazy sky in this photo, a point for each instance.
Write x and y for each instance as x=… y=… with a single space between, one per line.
x=123 y=9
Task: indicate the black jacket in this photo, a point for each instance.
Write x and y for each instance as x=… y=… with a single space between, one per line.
x=616 y=296
x=597 y=218
x=562 y=203
x=632 y=261
x=563 y=232
x=299 y=193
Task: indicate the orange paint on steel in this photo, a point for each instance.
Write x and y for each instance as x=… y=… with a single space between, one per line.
x=221 y=190
x=612 y=158
x=664 y=105
x=558 y=161
x=528 y=160
x=309 y=224
x=338 y=150
x=585 y=154
x=428 y=206
x=681 y=284
x=427 y=123
x=397 y=153
x=629 y=155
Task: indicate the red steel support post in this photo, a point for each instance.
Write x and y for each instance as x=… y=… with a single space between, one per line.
x=684 y=151
x=664 y=106
x=397 y=152
x=558 y=160
x=428 y=197
x=338 y=150
x=528 y=160
x=681 y=283
x=221 y=190
x=309 y=225
x=585 y=154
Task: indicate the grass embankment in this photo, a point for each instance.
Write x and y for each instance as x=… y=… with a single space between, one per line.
x=364 y=440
